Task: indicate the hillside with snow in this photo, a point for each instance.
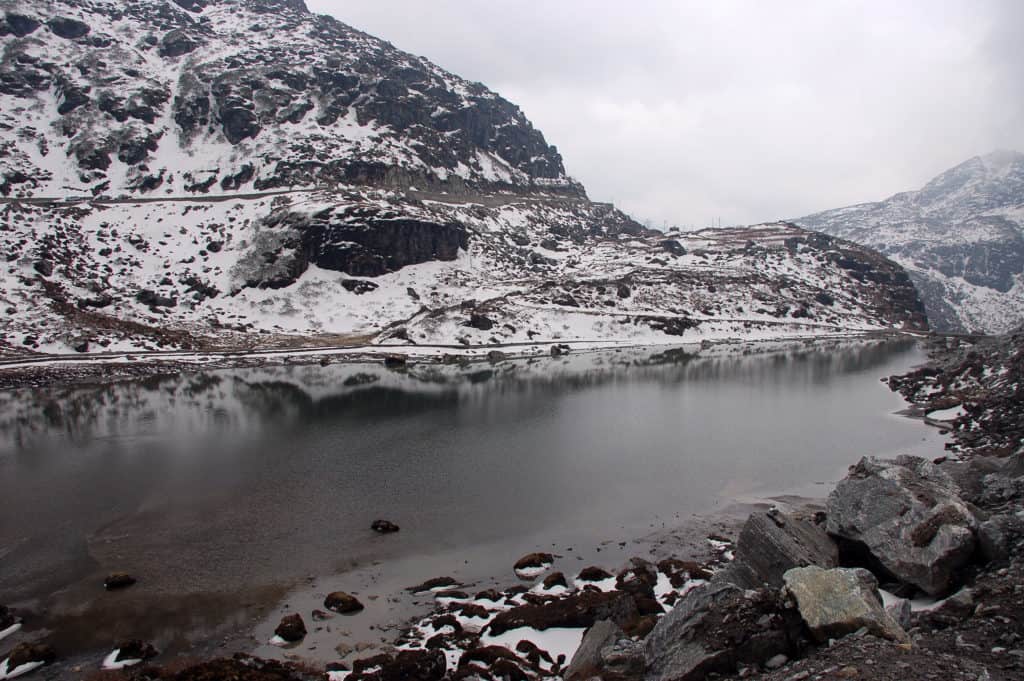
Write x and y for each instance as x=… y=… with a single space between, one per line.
x=961 y=237
x=244 y=174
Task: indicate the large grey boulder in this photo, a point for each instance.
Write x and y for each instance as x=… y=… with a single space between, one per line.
x=773 y=542
x=716 y=628
x=908 y=514
x=999 y=534
x=840 y=601
x=606 y=653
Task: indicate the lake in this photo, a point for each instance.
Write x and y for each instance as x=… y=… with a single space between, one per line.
x=226 y=491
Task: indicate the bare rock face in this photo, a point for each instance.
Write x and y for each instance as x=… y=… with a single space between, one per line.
x=716 y=628
x=907 y=513
x=840 y=601
x=773 y=542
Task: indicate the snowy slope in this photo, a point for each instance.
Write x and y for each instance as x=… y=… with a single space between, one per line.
x=234 y=174
x=961 y=237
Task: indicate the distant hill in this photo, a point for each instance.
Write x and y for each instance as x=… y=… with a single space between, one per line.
x=961 y=237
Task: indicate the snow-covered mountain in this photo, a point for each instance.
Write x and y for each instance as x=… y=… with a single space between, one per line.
x=961 y=237
x=243 y=173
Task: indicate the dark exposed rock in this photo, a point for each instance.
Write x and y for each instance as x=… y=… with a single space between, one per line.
x=154 y=300
x=68 y=28
x=384 y=526
x=481 y=322
x=239 y=668
x=177 y=43
x=407 y=665
x=21 y=25
x=291 y=628
x=7 y=618
x=374 y=247
x=358 y=286
x=908 y=514
x=43 y=267
x=342 y=602
x=672 y=246
x=238 y=123
x=578 y=610
x=118 y=580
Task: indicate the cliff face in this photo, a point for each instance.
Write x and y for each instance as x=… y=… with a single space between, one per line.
x=243 y=173
x=961 y=237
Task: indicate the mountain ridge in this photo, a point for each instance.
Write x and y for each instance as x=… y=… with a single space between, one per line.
x=238 y=174
x=961 y=237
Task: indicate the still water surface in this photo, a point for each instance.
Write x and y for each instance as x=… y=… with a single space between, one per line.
x=202 y=483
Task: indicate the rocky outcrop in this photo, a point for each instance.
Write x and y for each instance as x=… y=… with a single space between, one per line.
x=371 y=247
x=908 y=515
x=714 y=629
x=840 y=601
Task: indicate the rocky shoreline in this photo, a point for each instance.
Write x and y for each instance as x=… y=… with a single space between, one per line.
x=913 y=570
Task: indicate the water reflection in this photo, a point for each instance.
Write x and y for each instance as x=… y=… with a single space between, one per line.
x=179 y=408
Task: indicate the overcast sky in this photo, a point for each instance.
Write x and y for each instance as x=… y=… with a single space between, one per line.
x=748 y=111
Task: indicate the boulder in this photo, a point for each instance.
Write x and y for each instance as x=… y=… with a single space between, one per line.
x=385 y=526
x=900 y=611
x=68 y=28
x=999 y=534
x=773 y=542
x=532 y=564
x=578 y=610
x=342 y=603
x=716 y=628
x=291 y=628
x=607 y=653
x=907 y=514
x=29 y=653
x=840 y=601
x=118 y=580
x=433 y=583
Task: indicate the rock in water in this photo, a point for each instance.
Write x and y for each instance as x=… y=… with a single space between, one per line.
x=715 y=628
x=343 y=603
x=532 y=564
x=840 y=601
x=908 y=514
x=773 y=542
x=384 y=526
x=291 y=628
x=118 y=580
